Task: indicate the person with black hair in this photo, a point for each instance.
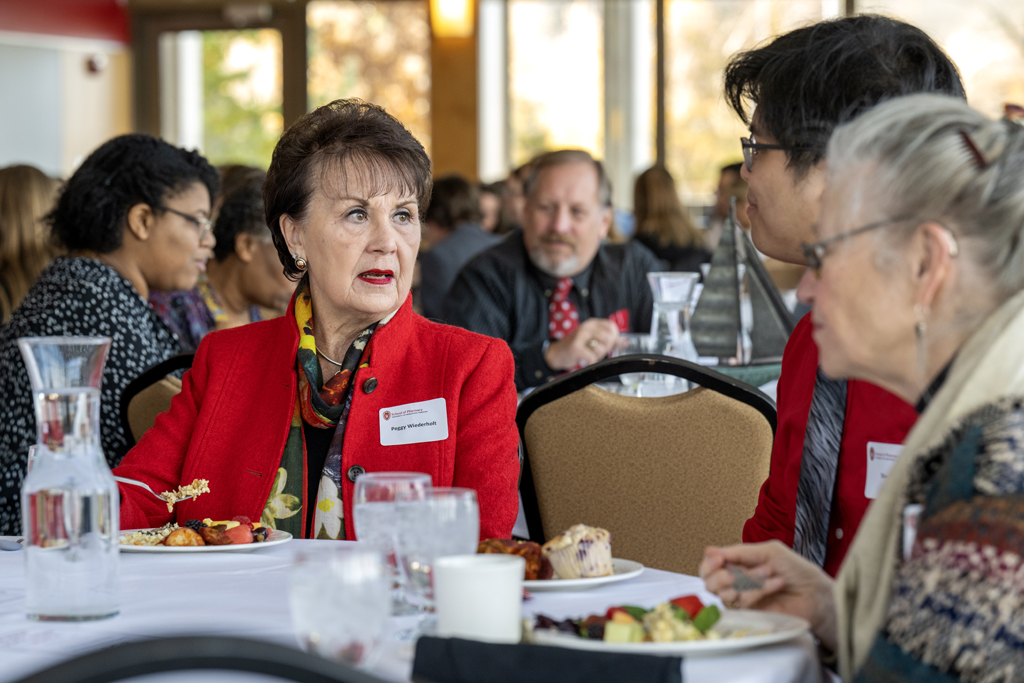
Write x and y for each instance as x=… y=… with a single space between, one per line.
x=134 y=218
x=802 y=85
x=452 y=226
x=244 y=275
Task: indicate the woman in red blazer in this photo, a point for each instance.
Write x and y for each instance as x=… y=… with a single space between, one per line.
x=282 y=416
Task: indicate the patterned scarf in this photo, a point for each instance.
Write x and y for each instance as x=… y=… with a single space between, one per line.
x=326 y=407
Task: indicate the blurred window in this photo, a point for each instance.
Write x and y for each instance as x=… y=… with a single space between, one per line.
x=376 y=51
x=984 y=39
x=701 y=132
x=556 y=76
x=221 y=93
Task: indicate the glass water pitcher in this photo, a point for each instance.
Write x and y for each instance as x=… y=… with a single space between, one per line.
x=69 y=500
x=670 y=322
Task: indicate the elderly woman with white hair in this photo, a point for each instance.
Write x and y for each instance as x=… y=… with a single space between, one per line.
x=916 y=285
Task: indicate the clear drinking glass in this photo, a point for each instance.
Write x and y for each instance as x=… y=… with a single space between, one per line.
x=375 y=515
x=446 y=522
x=340 y=599
x=69 y=500
x=630 y=343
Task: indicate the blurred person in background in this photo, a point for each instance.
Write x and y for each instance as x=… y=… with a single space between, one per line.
x=554 y=290
x=729 y=182
x=26 y=195
x=244 y=275
x=494 y=218
x=134 y=217
x=452 y=226
x=663 y=224
x=802 y=85
x=282 y=416
x=514 y=199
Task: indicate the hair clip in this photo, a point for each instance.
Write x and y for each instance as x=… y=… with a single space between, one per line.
x=979 y=158
x=1013 y=113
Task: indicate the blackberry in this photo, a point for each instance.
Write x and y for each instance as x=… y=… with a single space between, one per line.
x=195 y=524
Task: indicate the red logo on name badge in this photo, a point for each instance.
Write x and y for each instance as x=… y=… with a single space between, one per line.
x=387 y=414
x=871 y=453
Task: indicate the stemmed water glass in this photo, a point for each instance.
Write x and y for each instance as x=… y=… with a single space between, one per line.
x=446 y=522
x=375 y=515
x=340 y=600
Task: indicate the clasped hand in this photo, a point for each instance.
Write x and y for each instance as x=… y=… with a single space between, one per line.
x=593 y=340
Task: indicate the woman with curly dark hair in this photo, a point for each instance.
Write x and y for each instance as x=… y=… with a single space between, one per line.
x=242 y=280
x=134 y=217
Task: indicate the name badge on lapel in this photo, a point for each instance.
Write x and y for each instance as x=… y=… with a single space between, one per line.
x=414 y=423
x=881 y=458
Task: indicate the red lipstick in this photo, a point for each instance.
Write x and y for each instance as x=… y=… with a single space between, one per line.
x=377 y=277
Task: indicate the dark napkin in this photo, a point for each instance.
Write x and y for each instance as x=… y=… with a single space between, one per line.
x=453 y=660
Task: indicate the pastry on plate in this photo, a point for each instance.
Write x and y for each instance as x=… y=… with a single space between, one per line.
x=538 y=567
x=580 y=552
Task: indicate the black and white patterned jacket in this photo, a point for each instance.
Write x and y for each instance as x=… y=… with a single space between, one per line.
x=73 y=296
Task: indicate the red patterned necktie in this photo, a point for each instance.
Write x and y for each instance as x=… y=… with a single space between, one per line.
x=563 y=318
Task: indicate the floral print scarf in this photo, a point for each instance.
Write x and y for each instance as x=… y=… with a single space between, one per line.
x=324 y=405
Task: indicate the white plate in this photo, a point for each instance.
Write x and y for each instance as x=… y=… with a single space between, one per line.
x=624 y=570
x=769 y=628
x=275 y=538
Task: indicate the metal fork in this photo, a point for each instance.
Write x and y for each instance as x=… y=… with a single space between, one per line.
x=135 y=482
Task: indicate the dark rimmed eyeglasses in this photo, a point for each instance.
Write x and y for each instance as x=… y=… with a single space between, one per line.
x=203 y=225
x=751 y=148
x=815 y=253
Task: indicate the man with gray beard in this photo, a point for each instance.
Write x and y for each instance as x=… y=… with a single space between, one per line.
x=554 y=291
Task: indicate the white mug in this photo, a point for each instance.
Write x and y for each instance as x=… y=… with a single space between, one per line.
x=480 y=597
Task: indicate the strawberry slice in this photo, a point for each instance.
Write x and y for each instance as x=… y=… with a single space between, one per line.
x=242 y=519
x=690 y=604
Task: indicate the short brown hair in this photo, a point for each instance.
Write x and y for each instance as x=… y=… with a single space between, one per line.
x=333 y=136
x=454 y=200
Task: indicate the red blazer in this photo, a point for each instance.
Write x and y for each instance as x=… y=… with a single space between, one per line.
x=230 y=422
x=872 y=414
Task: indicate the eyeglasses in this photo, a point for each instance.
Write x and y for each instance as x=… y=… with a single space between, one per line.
x=814 y=253
x=751 y=147
x=204 y=225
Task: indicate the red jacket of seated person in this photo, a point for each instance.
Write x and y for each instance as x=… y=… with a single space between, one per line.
x=873 y=415
x=230 y=422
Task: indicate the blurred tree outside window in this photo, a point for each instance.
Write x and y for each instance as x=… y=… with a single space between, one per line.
x=376 y=51
x=556 y=76
x=702 y=133
x=985 y=39
x=242 y=119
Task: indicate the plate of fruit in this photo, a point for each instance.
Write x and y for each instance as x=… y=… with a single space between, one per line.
x=203 y=536
x=681 y=626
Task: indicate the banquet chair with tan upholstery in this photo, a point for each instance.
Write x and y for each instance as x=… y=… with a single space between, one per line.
x=666 y=476
x=150 y=394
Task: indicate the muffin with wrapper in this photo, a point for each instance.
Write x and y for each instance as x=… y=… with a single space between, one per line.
x=580 y=552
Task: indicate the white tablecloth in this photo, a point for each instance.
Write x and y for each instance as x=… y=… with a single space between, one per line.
x=243 y=594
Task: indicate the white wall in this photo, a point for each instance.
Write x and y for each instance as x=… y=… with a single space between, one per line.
x=53 y=109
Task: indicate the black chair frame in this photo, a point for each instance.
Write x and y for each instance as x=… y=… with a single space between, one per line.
x=190 y=653
x=146 y=379
x=612 y=368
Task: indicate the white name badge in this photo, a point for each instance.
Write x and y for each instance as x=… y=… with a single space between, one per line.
x=881 y=458
x=414 y=423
